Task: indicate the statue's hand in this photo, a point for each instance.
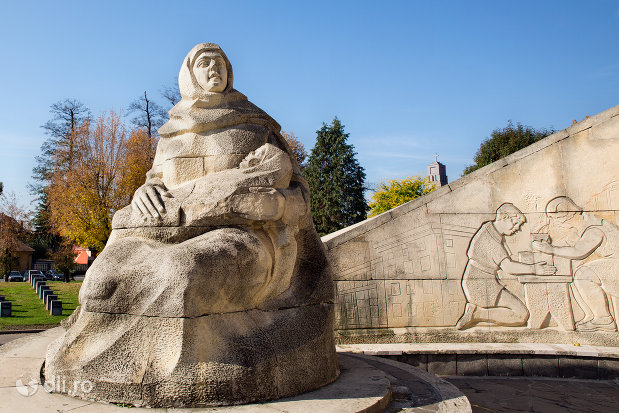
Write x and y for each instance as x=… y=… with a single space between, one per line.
x=148 y=200
x=542 y=246
x=541 y=268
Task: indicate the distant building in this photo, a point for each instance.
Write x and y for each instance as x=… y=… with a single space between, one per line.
x=23 y=256
x=83 y=258
x=437 y=173
x=43 y=265
x=10 y=230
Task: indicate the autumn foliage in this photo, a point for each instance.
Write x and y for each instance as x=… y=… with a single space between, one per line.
x=106 y=165
x=396 y=192
x=139 y=155
x=12 y=219
x=296 y=146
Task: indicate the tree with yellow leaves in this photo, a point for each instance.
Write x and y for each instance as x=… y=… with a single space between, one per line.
x=297 y=148
x=84 y=197
x=396 y=192
x=139 y=155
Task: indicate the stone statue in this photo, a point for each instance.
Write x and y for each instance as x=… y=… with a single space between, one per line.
x=213 y=288
x=487 y=298
x=594 y=243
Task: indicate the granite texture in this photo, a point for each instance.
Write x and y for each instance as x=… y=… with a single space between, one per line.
x=214 y=288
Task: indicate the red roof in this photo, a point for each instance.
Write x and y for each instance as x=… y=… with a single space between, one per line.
x=82 y=257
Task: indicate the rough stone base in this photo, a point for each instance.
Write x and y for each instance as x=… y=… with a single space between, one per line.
x=366 y=384
x=214 y=360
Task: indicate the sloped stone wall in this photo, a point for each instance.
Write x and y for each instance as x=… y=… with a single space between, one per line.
x=435 y=269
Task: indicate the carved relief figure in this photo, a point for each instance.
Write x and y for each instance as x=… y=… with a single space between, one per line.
x=488 y=300
x=595 y=242
x=213 y=288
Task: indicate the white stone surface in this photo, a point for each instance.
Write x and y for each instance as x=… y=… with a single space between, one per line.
x=396 y=349
x=213 y=288
x=448 y=266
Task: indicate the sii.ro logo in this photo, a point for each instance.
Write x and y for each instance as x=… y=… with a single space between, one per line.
x=26 y=385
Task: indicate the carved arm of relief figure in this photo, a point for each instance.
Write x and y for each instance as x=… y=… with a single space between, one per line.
x=588 y=242
x=520 y=268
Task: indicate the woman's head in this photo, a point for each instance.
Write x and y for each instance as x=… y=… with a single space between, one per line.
x=205 y=70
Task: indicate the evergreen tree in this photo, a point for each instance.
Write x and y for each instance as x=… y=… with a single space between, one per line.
x=43 y=239
x=336 y=180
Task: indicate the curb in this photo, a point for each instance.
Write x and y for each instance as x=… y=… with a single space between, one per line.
x=22 y=331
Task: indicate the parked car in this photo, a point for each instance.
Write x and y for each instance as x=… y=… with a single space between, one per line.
x=54 y=276
x=15 y=276
x=28 y=274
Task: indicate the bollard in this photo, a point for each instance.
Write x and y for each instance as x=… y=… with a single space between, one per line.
x=5 y=309
x=48 y=301
x=34 y=280
x=39 y=285
x=45 y=293
x=43 y=288
x=36 y=284
x=56 y=307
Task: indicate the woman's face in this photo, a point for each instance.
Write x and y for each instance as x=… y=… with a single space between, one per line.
x=210 y=72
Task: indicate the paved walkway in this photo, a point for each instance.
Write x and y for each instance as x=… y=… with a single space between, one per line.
x=520 y=394
x=547 y=395
x=5 y=338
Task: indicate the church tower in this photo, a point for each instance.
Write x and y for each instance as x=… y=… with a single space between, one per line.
x=437 y=172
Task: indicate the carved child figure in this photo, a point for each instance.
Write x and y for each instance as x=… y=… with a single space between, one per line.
x=487 y=299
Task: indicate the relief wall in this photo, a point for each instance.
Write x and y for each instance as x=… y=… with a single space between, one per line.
x=525 y=249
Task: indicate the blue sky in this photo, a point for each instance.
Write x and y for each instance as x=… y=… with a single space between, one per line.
x=406 y=78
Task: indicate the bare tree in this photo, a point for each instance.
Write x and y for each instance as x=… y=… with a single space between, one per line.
x=148 y=115
x=13 y=221
x=171 y=93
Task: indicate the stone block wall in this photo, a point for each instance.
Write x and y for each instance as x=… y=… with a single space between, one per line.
x=402 y=275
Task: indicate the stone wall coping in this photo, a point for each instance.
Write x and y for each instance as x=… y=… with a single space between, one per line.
x=397 y=349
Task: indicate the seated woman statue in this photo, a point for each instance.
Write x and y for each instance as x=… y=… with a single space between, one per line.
x=213 y=288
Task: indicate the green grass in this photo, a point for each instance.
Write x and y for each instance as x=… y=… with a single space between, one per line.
x=28 y=308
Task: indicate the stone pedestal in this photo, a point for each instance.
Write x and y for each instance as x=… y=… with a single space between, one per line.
x=44 y=294
x=38 y=285
x=56 y=307
x=48 y=301
x=5 y=309
x=42 y=290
